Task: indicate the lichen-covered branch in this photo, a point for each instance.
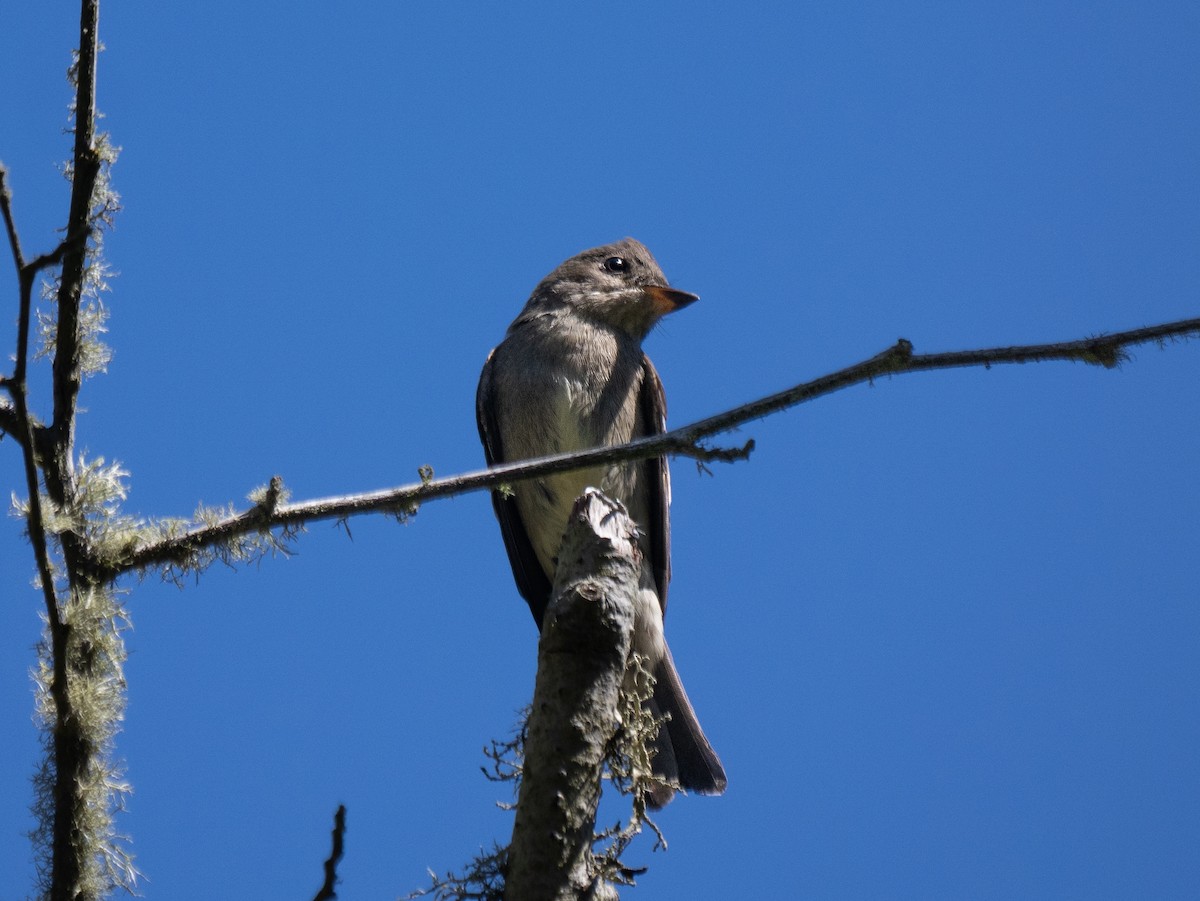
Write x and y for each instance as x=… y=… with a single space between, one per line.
x=575 y=713
x=80 y=687
x=16 y=420
x=85 y=172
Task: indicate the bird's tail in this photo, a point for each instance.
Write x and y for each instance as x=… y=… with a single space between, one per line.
x=682 y=752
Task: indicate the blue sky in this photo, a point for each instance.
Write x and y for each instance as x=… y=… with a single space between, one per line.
x=943 y=630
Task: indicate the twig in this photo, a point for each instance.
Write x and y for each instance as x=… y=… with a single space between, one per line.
x=11 y=421
x=1106 y=350
x=684 y=441
x=37 y=520
x=20 y=423
x=10 y=226
x=326 y=892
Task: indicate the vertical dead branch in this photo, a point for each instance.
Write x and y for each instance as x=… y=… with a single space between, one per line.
x=72 y=751
x=328 y=891
x=80 y=687
x=85 y=170
x=581 y=663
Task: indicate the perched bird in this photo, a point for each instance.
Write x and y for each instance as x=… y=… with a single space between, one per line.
x=571 y=375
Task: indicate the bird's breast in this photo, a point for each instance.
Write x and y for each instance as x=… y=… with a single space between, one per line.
x=570 y=412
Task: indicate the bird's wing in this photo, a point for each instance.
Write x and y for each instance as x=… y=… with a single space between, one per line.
x=653 y=403
x=531 y=579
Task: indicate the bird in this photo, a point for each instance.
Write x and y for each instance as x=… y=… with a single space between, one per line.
x=571 y=375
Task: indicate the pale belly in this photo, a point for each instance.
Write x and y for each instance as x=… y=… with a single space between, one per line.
x=545 y=504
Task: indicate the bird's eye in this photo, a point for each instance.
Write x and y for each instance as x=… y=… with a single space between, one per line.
x=616 y=264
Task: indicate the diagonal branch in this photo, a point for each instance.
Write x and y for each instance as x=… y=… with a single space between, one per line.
x=1108 y=351
x=14 y=241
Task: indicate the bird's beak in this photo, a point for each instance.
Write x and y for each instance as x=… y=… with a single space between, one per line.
x=668 y=300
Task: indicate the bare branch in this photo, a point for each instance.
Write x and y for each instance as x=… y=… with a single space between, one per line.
x=14 y=241
x=684 y=441
x=327 y=892
x=9 y=422
x=1106 y=350
x=31 y=269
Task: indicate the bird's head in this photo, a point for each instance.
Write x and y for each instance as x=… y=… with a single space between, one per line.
x=619 y=285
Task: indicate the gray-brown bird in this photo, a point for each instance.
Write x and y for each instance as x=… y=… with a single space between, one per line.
x=571 y=375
